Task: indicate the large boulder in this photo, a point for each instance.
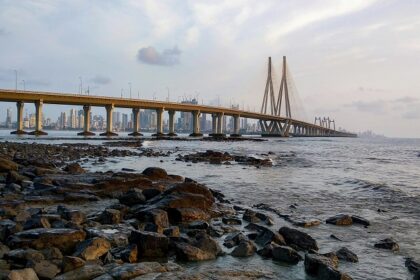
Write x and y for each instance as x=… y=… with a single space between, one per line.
x=136 y=270
x=87 y=272
x=110 y=217
x=92 y=249
x=388 y=244
x=323 y=268
x=156 y=216
x=74 y=168
x=233 y=239
x=266 y=236
x=71 y=263
x=346 y=255
x=155 y=173
x=340 y=220
x=132 y=197
x=245 y=249
x=298 y=239
x=150 y=244
x=64 y=239
x=187 y=252
x=191 y=187
x=22 y=274
x=186 y=215
x=45 y=269
x=7 y=165
x=286 y=254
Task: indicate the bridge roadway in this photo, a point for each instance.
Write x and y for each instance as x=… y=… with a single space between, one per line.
x=294 y=127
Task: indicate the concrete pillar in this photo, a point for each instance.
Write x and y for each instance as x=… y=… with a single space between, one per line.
x=213 y=124
x=19 y=123
x=136 y=123
x=159 y=122
x=220 y=124
x=171 y=123
x=109 y=121
x=86 y=120
x=196 y=124
x=38 y=119
x=236 y=126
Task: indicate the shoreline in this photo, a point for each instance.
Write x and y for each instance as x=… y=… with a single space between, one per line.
x=177 y=217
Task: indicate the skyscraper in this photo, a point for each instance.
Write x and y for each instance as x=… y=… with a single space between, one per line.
x=9 y=118
x=73 y=118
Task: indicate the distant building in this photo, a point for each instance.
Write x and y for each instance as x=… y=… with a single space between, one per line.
x=185 y=121
x=8 y=118
x=73 y=119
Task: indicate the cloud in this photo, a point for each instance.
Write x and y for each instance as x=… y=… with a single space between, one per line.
x=150 y=55
x=100 y=80
x=376 y=106
x=407 y=99
x=413 y=114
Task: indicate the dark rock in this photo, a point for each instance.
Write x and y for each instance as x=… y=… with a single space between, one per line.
x=340 y=220
x=92 y=249
x=306 y=224
x=3 y=250
x=186 y=215
x=71 y=263
x=7 y=165
x=74 y=168
x=75 y=216
x=187 y=252
x=155 y=173
x=360 y=220
x=244 y=249
x=285 y=254
x=86 y=272
x=7 y=228
x=266 y=251
x=156 y=216
x=198 y=225
x=110 y=217
x=346 y=255
x=64 y=239
x=151 y=193
x=233 y=239
x=52 y=253
x=388 y=243
x=136 y=270
x=231 y=221
x=172 y=231
x=323 y=268
x=45 y=269
x=298 y=239
x=150 y=244
x=191 y=188
x=267 y=236
x=128 y=253
x=412 y=265
x=132 y=197
x=22 y=256
x=250 y=216
x=37 y=222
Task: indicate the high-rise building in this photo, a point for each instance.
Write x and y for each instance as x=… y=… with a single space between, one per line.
x=73 y=119
x=185 y=121
x=9 y=118
x=203 y=122
x=80 y=119
x=62 y=121
x=124 y=123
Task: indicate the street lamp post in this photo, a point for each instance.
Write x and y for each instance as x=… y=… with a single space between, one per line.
x=130 y=88
x=16 y=79
x=24 y=86
x=81 y=85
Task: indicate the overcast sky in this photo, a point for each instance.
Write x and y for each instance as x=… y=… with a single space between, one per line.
x=355 y=61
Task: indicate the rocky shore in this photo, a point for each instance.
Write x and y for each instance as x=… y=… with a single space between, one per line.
x=59 y=221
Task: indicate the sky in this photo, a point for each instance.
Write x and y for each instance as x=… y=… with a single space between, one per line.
x=357 y=62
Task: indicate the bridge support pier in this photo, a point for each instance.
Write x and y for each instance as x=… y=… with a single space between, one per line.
x=236 y=125
x=196 y=124
x=213 y=125
x=19 y=123
x=171 y=123
x=218 y=124
x=86 y=122
x=159 y=123
x=38 y=119
x=109 y=122
x=136 y=123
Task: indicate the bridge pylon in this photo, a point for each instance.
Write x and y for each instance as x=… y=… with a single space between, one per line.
x=276 y=128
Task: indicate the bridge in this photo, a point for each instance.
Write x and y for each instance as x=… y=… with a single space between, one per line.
x=272 y=123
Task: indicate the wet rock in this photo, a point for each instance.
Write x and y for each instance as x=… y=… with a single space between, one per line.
x=323 y=268
x=198 y=225
x=412 y=265
x=45 y=269
x=92 y=249
x=22 y=256
x=285 y=254
x=231 y=221
x=306 y=224
x=15 y=177
x=266 y=251
x=187 y=252
x=52 y=253
x=131 y=270
x=388 y=244
x=267 y=236
x=3 y=250
x=71 y=263
x=244 y=249
x=7 y=228
x=75 y=216
x=7 y=165
x=191 y=188
x=36 y=222
x=132 y=197
x=151 y=193
x=156 y=216
x=360 y=220
x=74 y=168
x=298 y=239
x=204 y=242
x=150 y=244
x=346 y=255
x=110 y=217
x=340 y=220
x=155 y=173
x=64 y=239
x=186 y=215
x=250 y=216
x=86 y=272
x=126 y=254
x=22 y=274
x=233 y=239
